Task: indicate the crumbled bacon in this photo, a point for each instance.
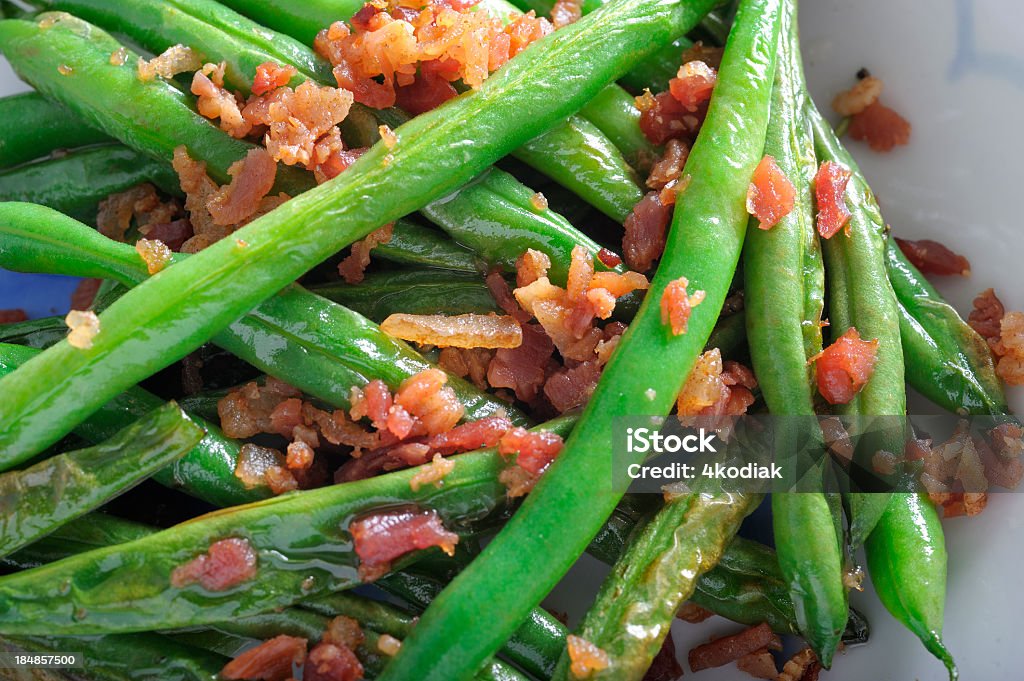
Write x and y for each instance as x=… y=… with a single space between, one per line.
x=344 y=631
x=693 y=613
x=427 y=92
x=300 y=455
x=330 y=662
x=172 y=61
x=523 y=369
x=881 y=127
x=353 y=267
x=565 y=12
x=382 y=537
x=502 y=294
x=247 y=411
x=693 y=84
x=722 y=651
x=531 y=266
x=140 y=203
x=643 y=240
x=931 y=257
x=270 y=661
x=485 y=432
x=663 y=117
x=459 y=331
x=432 y=474
x=214 y=101
x=155 y=254
x=337 y=161
x=665 y=666
x=760 y=664
x=227 y=563
x=770 y=196
x=468 y=363
x=859 y=97
x=10 y=316
x=83 y=296
x=845 y=367
x=252 y=178
x=1010 y=349
x=987 y=316
x=259 y=466
x=535 y=450
x=270 y=76
x=571 y=388
x=803 y=666
x=669 y=167
x=830 y=192
x=608 y=258
x=173 y=234
x=84 y=326
x=585 y=657
x=434 y=404
x=676 y=305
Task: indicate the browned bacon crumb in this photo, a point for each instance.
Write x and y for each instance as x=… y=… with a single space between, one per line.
x=227 y=563
x=426 y=397
x=459 y=331
x=693 y=613
x=1010 y=349
x=608 y=258
x=565 y=12
x=252 y=178
x=643 y=239
x=353 y=267
x=987 y=316
x=830 y=193
x=344 y=631
x=432 y=474
x=845 y=366
x=262 y=466
x=859 y=97
x=665 y=666
x=932 y=257
x=172 y=61
x=586 y=658
x=722 y=651
x=572 y=387
x=531 y=266
x=760 y=664
x=154 y=253
x=770 y=196
x=300 y=455
x=534 y=450
x=270 y=76
x=330 y=662
x=140 y=203
x=10 y=316
x=693 y=85
x=270 y=661
x=676 y=305
x=173 y=233
x=669 y=167
x=803 y=666
x=468 y=363
x=663 y=117
x=84 y=326
x=382 y=537
x=523 y=369
x=881 y=127
x=214 y=101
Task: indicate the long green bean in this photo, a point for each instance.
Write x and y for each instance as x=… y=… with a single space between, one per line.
x=31 y=128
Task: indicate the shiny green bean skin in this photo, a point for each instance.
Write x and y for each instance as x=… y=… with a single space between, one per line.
x=153 y=117
x=659 y=569
x=414 y=245
x=613 y=111
x=643 y=377
x=907 y=561
x=186 y=304
x=206 y=472
x=39 y=499
x=861 y=296
x=75 y=183
x=946 y=360
x=301 y=540
x=783 y=289
x=34 y=333
x=52 y=127
x=91 y=531
x=317 y=346
x=382 y=294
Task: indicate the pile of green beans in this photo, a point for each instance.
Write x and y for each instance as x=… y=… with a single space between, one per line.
x=53 y=127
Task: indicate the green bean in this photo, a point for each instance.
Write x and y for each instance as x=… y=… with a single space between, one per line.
x=91 y=531
x=41 y=498
x=31 y=128
x=418 y=246
x=643 y=377
x=783 y=277
x=317 y=346
x=946 y=360
x=69 y=61
x=75 y=183
x=659 y=569
x=207 y=472
x=907 y=561
x=186 y=304
x=301 y=540
x=34 y=333
x=861 y=296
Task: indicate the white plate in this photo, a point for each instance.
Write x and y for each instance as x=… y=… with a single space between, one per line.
x=955 y=68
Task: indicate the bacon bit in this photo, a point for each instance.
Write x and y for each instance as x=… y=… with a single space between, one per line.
x=344 y=632
x=535 y=450
x=254 y=462
x=722 y=651
x=845 y=367
x=956 y=504
x=199 y=190
x=252 y=178
x=881 y=127
x=704 y=386
x=571 y=388
x=987 y=316
x=84 y=326
x=270 y=661
x=531 y=266
x=468 y=363
x=425 y=396
x=760 y=664
x=300 y=455
x=353 y=267
x=665 y=666
x=337 y=162
x=803 y=666
x=619 y=284
x=429 y=91
x=387 y=136
x=173 y=234
x=1001 y=470
x=227 y=563
x=693 y=85
x=140 y=202
x=517 y=481
x=829 y=191
x=931 y=257
x=119 y=56
x=155 y=254
x=608 y=258
x=693 y=613
x=669 y=167
x=433 y=474
x=602 y=302
x=676 y=305
x=388 y=645
x=247 y=411
x=382 y=537
x=770 y=196
x=565 y=12
x=172 y=61
x=270 y=76
x=459 y=331
x=663 y=117
x=581 y=271
x=214 y=101
x=485 y=432
x=539 y=202
x=523 y=369
x=81 y=299
x=644 y=238
x=11 y=316
x=586 y=657
x=712 y=56
x=330 y=662
x=502 y=294
x=859 y=97
x=1010 y=349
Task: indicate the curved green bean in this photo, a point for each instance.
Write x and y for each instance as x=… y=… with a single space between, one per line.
x=31 y=128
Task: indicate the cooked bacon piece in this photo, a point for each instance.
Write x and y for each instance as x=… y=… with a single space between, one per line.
x=881 y=127
x=353 y=267
x=829 y=191
x=345 y=632
x=84 y=326
x=586 y=658
x=270 y=76
x=432 y=474
x=601 y=302
x=956 y=504
x=693 y=84
x=458 y=331
x=247 y=411
x=760 y=664
x=10 y=316
x=434 y=404
x=770 y=196
x=81 y=298
x=155 y=254
x=252 y=178
x=536 y=450
x=575 y=338
x=581 y=271
x=571 y=388
x=119 y=56
x=502 y=295
x=987 y=316
x=300 y=455
x=523 y=369
x=270 y=661
x=485 y=432
x=376 y=404
x=429 y=91
x=617 y=284
x=844 y=367
x=140 y=203
x=297 y=119
x=565 y=12
x=467 y=363
x=859 y=97
x=663 y=117
x=704 y=386
x=931 y=257
x=173 y=234
x=214 y=101
x=330 y=662
x=382 y=537
x=1010 y=349
x=337 y=161
x=644 y=238
x=693 y=613
x=608 y=258
x=172 y=61
x=803 y=666
x=254 y=462
x=227 y=563
x=676 y=304
x=665 y=666
x=669 y=167
x=722 y=651
x=531 y=266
